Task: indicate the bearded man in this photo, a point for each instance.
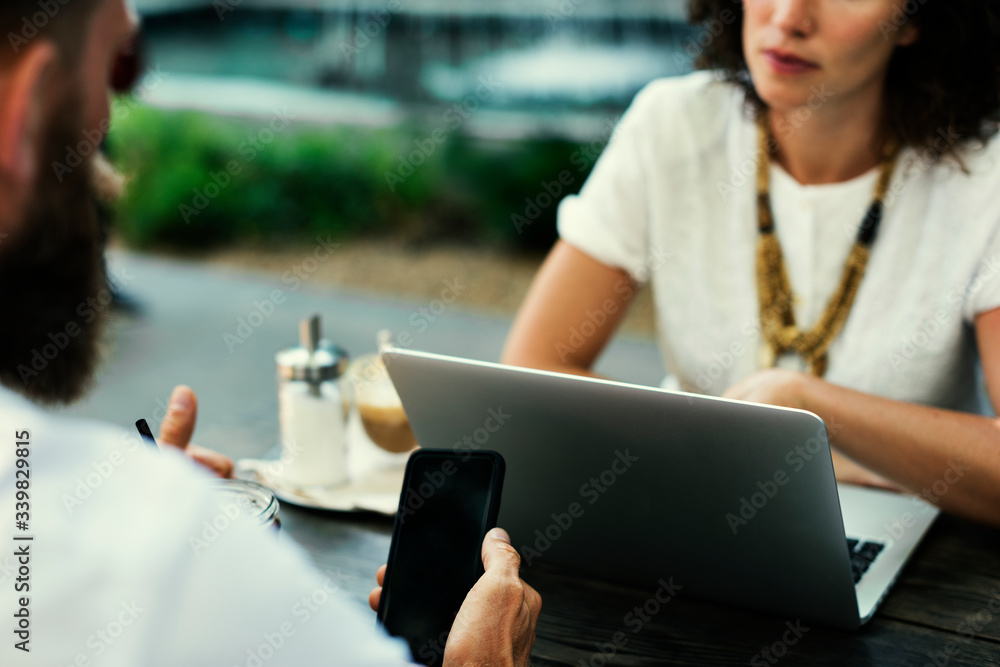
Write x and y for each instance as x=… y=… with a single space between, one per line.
x=97 y=564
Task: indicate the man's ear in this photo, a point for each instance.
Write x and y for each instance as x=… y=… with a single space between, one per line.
x=21 y=108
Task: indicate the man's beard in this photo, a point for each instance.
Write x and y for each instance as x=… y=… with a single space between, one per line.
x=53 y=277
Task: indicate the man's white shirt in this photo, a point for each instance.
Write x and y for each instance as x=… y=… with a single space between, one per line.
x=128 y=565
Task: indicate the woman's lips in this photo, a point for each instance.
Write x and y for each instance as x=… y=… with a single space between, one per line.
x=786 y=63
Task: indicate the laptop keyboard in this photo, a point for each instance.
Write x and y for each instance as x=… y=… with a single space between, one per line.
x=863 y=554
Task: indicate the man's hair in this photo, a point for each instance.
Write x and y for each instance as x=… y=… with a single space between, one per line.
x=945 y=85
x=61 y=21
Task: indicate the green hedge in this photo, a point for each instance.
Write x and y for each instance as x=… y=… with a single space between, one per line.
x=198 y=180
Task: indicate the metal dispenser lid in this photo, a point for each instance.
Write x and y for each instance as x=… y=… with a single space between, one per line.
x=315 y=360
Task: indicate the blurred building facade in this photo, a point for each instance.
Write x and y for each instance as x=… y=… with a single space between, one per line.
x=540 y=52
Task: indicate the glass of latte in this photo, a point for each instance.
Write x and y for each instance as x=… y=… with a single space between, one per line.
x=379 y=406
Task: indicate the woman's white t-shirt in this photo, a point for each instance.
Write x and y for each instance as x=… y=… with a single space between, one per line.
x=672 y=202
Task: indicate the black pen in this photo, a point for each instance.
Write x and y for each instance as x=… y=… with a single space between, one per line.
x=147 y=435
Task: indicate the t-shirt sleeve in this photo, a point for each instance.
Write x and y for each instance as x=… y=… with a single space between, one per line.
x=980 y=223
x=609 y=219
x=982 y=294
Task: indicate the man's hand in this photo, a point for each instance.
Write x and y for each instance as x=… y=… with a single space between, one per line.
x=376 y=595
x=496 y=624
x=178 y=426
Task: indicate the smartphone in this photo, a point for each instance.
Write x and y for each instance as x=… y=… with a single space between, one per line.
x=450 y=500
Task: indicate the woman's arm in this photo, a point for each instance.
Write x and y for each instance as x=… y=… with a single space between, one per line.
x=951 y=459
x=573 y=307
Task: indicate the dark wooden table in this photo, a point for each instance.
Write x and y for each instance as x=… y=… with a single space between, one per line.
x=944 y=592
x=937 y=614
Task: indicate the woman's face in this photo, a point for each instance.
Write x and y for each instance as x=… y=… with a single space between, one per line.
x=820 y=52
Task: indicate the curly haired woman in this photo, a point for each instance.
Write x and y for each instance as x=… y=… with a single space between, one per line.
x=818 y=215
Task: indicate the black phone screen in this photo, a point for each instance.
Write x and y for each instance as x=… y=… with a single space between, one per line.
x=449 y=502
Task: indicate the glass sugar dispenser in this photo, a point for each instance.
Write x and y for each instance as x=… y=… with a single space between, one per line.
x=312 y=410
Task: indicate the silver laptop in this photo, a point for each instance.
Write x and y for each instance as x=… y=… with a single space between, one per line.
x=725 y=500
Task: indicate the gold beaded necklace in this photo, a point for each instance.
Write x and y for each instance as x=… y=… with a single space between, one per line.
x=777 y=317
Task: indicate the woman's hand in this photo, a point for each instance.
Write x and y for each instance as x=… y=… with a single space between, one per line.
x=773 y=386
x=178 y=427
x=850 y=472
x=496 y=624
x=776 y=386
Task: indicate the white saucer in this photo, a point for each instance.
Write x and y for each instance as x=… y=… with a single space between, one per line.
x=376 y=477
x=378 y=491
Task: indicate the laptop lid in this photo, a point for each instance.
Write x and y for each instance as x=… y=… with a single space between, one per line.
x=730 y=501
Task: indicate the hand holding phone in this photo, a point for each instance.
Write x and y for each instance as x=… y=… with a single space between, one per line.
x=436 y=563
x=499 y=615
x=496 y=624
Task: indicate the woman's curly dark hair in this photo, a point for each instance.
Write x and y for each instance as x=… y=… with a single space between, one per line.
x=945 y=84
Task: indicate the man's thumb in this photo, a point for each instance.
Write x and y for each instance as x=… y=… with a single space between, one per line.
x=498 y=554
x=182 y=413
